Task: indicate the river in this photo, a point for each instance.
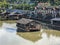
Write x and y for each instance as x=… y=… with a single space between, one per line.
x=43 y=37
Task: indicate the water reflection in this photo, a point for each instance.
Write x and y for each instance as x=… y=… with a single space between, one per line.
x=52 y=40
x=11 y=38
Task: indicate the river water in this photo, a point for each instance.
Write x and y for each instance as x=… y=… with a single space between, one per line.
x=8 y=36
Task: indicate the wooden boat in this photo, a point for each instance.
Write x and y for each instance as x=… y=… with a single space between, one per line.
x=55 y=23
x=27 y=25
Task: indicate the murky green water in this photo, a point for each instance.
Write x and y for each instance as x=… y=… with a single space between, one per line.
x=43 y=37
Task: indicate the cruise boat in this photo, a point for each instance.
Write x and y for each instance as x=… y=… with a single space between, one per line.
x=55 y=23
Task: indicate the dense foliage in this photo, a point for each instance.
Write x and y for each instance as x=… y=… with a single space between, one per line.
x=4 y=4
x=25 y=6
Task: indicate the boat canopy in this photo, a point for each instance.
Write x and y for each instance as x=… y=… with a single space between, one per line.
x=24 y=21
x=55 y=19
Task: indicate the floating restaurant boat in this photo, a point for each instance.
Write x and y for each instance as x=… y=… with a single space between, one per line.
x=14 y=16
x=55 y=23
x=27 y=25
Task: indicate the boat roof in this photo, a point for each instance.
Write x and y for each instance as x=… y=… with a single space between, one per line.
x=56 y=19
x=24 y=21
x=17 y=11
x=3 y=12
x=13 y=13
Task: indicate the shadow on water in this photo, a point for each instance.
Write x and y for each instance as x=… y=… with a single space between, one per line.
x=28 y=31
